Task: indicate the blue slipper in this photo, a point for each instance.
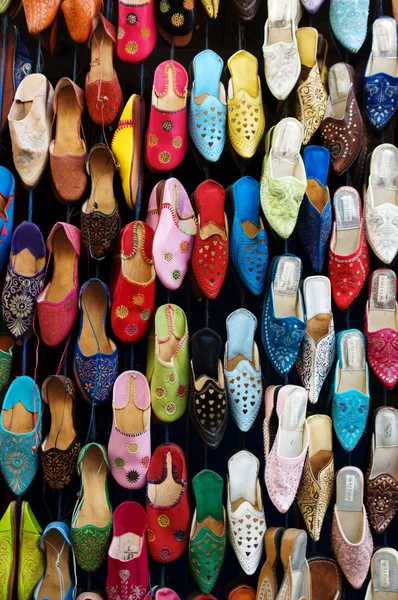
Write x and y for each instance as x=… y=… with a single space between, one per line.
x=56 y=544
x=349 y=22
x=7 y=190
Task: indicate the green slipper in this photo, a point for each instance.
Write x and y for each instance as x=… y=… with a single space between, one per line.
x=92 y=517
x=168 y=363
x=207 y=541
x=31 y=558
x=8 y=545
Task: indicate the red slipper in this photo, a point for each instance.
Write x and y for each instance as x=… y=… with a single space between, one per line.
x=133 y=282
x=210 y=252
x=167 y=503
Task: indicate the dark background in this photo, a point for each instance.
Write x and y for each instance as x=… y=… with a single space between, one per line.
x=225 y=36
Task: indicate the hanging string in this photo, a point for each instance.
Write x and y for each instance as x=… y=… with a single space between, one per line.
x=30 y=206
x=39 y=61
x=74 y=62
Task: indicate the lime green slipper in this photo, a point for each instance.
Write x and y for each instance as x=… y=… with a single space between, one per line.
x=8 y=545
x=31 y=559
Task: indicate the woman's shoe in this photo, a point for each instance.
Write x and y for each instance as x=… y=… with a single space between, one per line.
x=168 y=363
x=382 y=474
x=129 y=446
x=29 y=120
x=133 y=283
x=176 y=20
x=24 y=279
x=209 y=528
x=207 y=117
x=283 y=323
x=167 y=505
x=384 y=575
x=242 y=368
x=100 y=219
x=31 y=559
x=283 y=177
x=246 y=520
x=126 y=146
x=349 y=256
x=246 y=119
x=267 y=586
x=136 y=34
x=381 y=326
x=9 y=551
x=68 y=150
x=58 y=582
x=57 y=304
x=342 y=130
x=314 y=223
x=7 y=189
x=326 y=578
x=92 y=516
x=245 y=10
x=102 y=89
x=381 y=75
x=171 y=216
x=6 y=358
x=312 y=6
x=60 y=449
x=281 y=56
x=79 y=17
x=95 y=361
x=380 y=203
x=316 y=486
x=350 y=407
x=211 y=7
x=284 y=462
x=351 y=538
x=296 y=581
x=208 y=403
x=349 y=22
x=166 y=139
x=316 y=354
x=40 y=17
x=127 y=573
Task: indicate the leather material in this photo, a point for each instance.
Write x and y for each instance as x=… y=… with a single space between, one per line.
x=40 y=15
x=326 y=578
x=136 y=35
x=79 y=15
x=176 y=17
x=99 y=231
x=246 y=9
x=349 y=22
x=211 y=7
x=381 y=497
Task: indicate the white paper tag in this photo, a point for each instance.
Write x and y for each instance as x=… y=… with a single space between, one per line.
x=384 y=573
x=382 y=289
x=347 y=208
x=349 y=488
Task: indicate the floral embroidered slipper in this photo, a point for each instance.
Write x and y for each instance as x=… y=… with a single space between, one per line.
x=31 y=559
x=168 y=363
x=136 y=34
x=211 y=7
x=9 y=555
x=167 y=503
x=92 y=516
x=176 y=20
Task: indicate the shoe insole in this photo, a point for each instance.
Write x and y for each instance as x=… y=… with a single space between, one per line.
x=206 y=350
x=64 y=267
x=241 y=327
x=317 y=306
x=62 y=431
x=286 y=144
x=101 y=68
x=6 y=343
x=353 y=363
x=384 y=48
x=135 y=268
x=280 y=21
x=207 y=67
x=384 y=570
x=26 y=264
x=183 y=208
x=126 y=546
x=319 y=460
x=18 y=419
x=167 y=342
x=382 y=301
x=131 y=419
x=67 y=124
x=339 y=86
x=385 y=457
x=208 y=490
x=298 y=565
x=94 y=509
x=307 y=44
x=165 y=493
x=286 y=286
x=93 y=338
x=384 y=175
x=26 y=95
x=170 y=101
x=57 y=555
x=102 y=169
x=316 y=162
x=317 y=195
x=243 y=477
x=243 y=68
x=348 y=221
x=349 y=493
x=291 y=437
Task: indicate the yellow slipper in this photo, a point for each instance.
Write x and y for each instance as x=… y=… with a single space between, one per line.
x=211 y=7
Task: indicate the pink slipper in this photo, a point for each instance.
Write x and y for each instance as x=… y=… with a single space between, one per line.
x=129 y=448
x=136 y=33
x=162 y=593
x=57 y=304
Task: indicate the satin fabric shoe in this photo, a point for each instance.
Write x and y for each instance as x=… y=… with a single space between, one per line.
x=350 y=406
x=314 y=223
x=58 y=580
x=283 y=178
x=208 y=97
x=284 y=462
x=349 y=22
x=381 y=75
x=382 y=473
x=380 y=204
x=241 y=360
x=316 y=354
x=7 y=189
x=283 y=321
x=381 y=326
x=249 y=240
x=20 y=434
x=351 y=538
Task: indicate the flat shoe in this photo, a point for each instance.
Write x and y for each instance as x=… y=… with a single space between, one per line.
x=79 y=16
x=349 y=22
x=136 y=34
x=31 y=559
x=326 y=578
x=267 y=586
x=296 y=581
x=384 y=574
x=56 y=544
